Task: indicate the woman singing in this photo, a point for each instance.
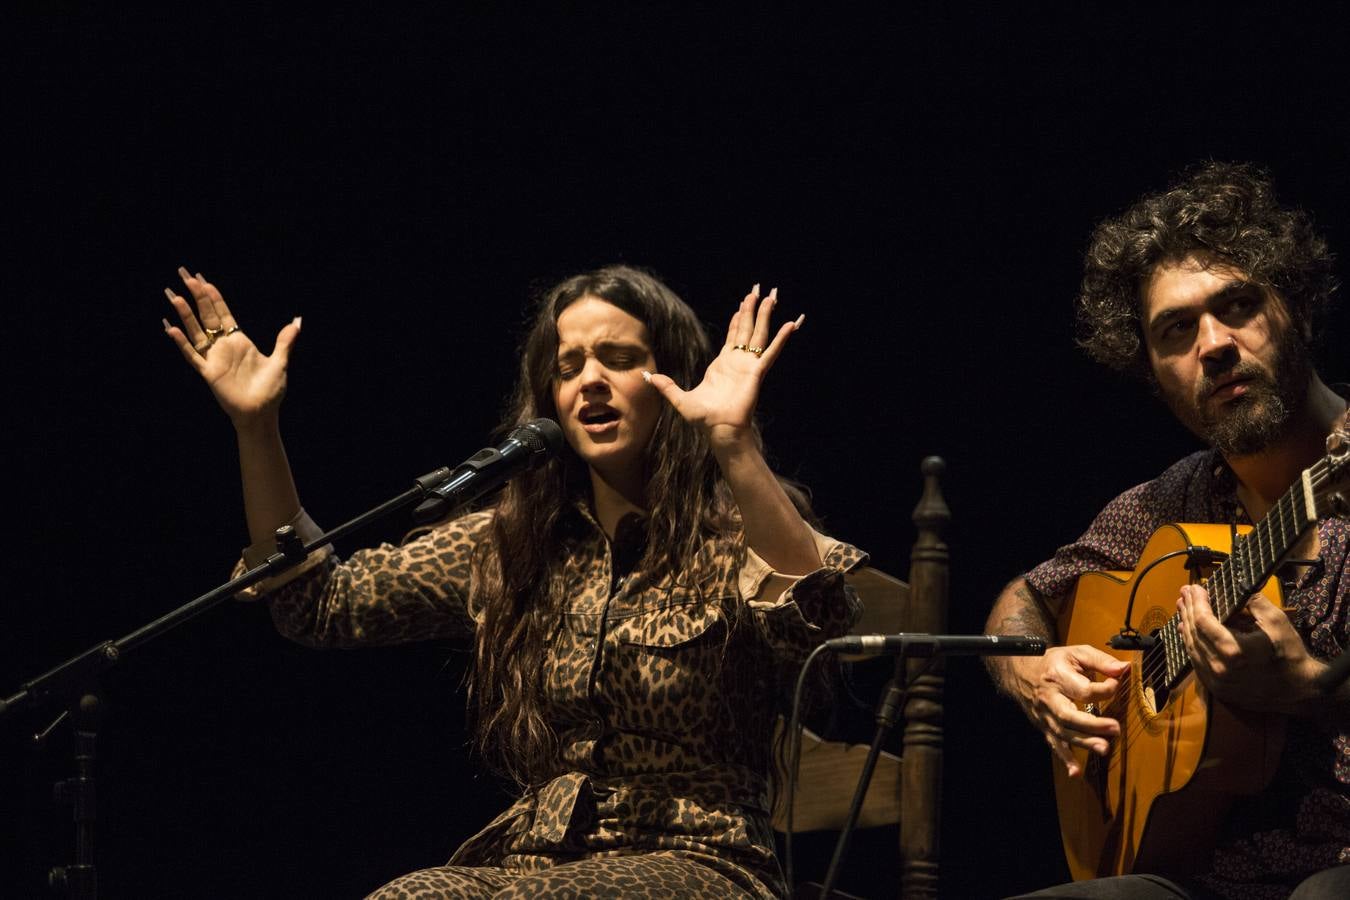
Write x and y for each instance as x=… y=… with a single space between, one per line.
x=635 y=605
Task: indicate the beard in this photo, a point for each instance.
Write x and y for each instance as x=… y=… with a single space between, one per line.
x=1260 y=417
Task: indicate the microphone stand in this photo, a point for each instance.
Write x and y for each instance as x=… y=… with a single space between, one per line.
x=75 y=680
x=888 y=710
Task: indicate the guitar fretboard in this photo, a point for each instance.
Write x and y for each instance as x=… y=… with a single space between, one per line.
x=1251 y=562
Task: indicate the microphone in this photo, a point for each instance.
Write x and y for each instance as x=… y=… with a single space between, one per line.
x=528 y=446
x=935 y=644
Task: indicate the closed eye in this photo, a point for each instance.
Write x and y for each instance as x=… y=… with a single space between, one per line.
x=619 y=359
x=569 y=365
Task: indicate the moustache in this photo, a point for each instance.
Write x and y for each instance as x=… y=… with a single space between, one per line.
x=1248 y=370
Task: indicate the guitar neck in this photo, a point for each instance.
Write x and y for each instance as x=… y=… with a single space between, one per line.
x=1253 y=560
x=1258 y=553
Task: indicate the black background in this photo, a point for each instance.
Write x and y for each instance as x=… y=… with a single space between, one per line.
x=920 y=182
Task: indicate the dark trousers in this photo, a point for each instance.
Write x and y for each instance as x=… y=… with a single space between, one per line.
x=1329 y=884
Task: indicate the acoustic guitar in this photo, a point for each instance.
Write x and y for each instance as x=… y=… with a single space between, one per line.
x=1154 y=804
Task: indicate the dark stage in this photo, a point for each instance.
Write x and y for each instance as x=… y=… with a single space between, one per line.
x=920 y=182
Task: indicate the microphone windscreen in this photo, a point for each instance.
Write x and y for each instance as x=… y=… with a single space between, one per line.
x=540 y=436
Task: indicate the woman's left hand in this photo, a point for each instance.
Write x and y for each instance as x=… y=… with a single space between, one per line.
x=724 y=402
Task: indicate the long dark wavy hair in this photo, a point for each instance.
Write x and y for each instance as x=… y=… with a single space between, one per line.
x=1226 y=210
x=518 y=573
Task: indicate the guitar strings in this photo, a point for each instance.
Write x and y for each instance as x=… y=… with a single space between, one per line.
x=1133 y=725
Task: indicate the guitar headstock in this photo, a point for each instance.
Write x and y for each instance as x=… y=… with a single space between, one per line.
x=1333 y=488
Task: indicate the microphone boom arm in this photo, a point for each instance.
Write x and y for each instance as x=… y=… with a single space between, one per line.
x=539 y=439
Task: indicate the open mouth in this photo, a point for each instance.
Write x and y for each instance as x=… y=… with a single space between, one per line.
x=598 y=417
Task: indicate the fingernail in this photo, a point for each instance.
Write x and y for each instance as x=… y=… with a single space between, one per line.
x=296 y=321
x=200 y=277
x=166 y=324
x=183 y=273
x=755 y=290
x=168 y=292
x=773 y=295
x=646 y=376
x=800 y=321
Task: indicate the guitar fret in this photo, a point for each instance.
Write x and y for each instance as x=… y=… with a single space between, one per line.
x=1178 y=653
x=1309 y=505
x=1267 y=561
x=1183 y=661
x=1267 y=552
x=1176 y=650
x=1278 y=514
x=1222 y=590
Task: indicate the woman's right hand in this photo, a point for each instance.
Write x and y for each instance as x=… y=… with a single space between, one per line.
x=247 y=385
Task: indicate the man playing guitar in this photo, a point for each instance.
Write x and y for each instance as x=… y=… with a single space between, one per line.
x=1211 y=292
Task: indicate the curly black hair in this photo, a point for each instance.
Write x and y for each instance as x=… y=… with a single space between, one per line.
x=1227 y=210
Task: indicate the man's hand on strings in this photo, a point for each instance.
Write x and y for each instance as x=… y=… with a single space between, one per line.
x=1070 y=678
x=1256 y=660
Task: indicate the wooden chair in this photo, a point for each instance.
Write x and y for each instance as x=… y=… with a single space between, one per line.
x=906 y=789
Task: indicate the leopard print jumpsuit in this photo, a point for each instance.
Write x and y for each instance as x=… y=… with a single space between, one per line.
x=664 y=711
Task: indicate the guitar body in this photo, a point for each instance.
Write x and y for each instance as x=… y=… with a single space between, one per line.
x=1154 y=804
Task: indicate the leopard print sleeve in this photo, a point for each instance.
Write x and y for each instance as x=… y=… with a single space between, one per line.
x=387 y=594
x=795 y=614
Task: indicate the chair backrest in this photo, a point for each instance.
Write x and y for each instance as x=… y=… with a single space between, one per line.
x=905 y=789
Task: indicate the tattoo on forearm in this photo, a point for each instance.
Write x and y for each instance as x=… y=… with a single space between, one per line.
x=1019 y=610
x=1032 y=617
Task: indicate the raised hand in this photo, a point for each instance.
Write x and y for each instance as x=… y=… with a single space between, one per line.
x=724 y=402
x=247 y=384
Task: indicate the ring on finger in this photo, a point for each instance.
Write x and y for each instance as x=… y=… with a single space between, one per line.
x=213 y=333
x=758 y=351
x=228 y=331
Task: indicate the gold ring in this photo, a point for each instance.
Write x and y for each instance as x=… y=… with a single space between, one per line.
x=231 y=330
x=213 y=333
x=758 y=351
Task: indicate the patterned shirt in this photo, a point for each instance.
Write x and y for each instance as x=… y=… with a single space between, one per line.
x=1301 y=823
x=663 y=706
